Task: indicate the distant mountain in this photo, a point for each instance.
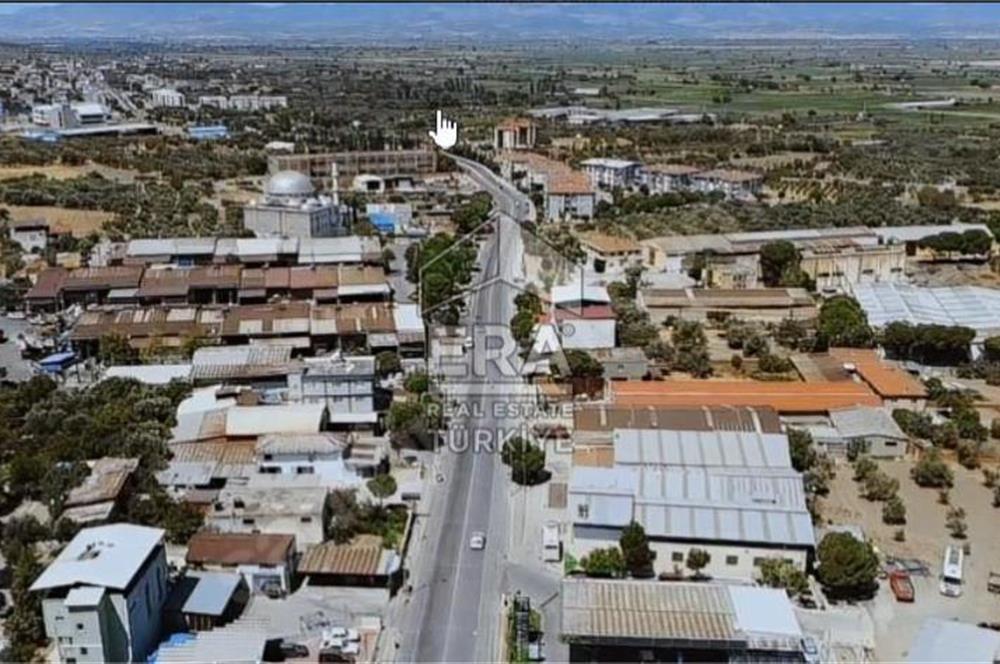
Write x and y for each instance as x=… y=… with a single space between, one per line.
x=478 y=23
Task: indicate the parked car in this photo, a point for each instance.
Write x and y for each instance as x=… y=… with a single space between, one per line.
x=293 y=649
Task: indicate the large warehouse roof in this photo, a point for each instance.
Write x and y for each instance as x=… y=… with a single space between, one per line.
x=615 y=611
x=753 y=505
x=659 y=447
x=970 y=306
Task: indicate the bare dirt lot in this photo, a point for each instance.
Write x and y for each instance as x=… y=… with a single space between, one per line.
x=78 y=222
x=926 y=536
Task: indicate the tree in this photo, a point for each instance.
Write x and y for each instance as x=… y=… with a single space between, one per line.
x=755 y=346
x=879 y=486
x=526 y=461
x=781 y=573
x=114 y=349
x=968 y=454
x=691 y=346
x=635 y=549
x=582 y=365
x=777 y=258
x=847 y=567
x=800 y=446
x=387 y=363
x=417 y=382
x=604 y=563
x=382 y=486
x=842 y=322
x=991 y=349
x=414 y=422
x=955 y=522
x=25 y=629
x=932 y=471
x=894 y=511
x=864 y=467
x=697 y=560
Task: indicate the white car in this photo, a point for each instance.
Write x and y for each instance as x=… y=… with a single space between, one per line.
x=478 y=541
x=467 y=343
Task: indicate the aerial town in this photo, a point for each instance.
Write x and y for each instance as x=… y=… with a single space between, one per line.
x=499 y=333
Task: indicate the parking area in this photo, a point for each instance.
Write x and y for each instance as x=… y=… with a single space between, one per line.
x=897 y=623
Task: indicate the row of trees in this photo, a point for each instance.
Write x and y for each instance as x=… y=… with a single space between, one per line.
x=442 y=267
x=928 y=344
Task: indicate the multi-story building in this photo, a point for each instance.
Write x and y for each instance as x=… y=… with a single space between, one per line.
x=612 y=173
x=291 y=208
x=346 y=385
x=666 y=178
x=383 y=163
x=103 y=595
x=166 y=98
x=740 y=185
x=514 y=134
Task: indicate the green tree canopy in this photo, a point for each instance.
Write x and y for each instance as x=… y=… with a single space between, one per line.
x=842 y=322
x=781 y=573
x=526 y=461
x=604 y=563
x=777 y=258
x=932 y=471
x=847 y=567
x=635 y=549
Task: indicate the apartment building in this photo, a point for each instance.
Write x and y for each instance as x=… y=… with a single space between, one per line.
x=103 y=595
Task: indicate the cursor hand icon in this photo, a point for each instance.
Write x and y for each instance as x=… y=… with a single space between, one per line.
x=447 y=133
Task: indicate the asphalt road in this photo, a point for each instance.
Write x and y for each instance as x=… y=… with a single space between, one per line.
x=455 y=612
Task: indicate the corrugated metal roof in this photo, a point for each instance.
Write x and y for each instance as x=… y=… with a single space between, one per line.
x=239 y=548
x=659 y=447
x=665 y=614
x=753 y=505
x=106 y=480
x=864 y=422
x=223 y=362
x=363 y=556
x=647 y=610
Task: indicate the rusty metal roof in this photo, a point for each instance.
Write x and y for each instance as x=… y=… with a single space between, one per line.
x=106 y=480
x=239 y=548
x=361 y=557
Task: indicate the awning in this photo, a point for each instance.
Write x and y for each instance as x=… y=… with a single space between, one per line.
x=252 y=293
x=383 y=340
x=294 y=342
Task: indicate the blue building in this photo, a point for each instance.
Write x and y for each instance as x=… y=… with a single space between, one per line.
x=208 y=132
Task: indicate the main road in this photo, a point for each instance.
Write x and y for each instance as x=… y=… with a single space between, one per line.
x=454 y=610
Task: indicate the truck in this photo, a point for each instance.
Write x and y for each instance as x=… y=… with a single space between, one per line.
x=901 y=585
